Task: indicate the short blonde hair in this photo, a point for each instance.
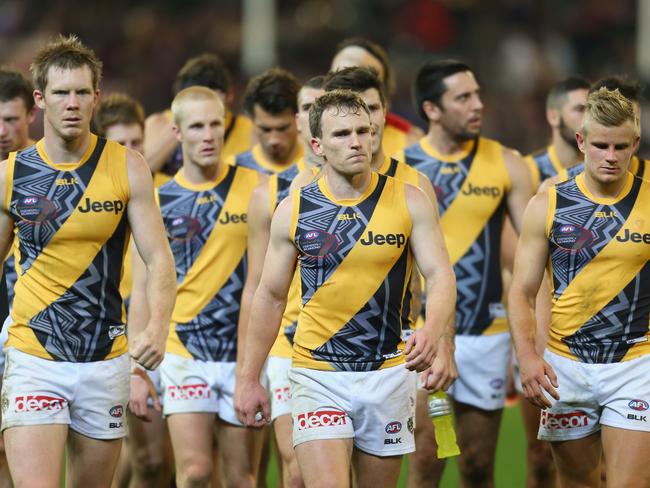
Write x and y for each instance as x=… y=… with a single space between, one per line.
x=609 y=108
x=192 y=93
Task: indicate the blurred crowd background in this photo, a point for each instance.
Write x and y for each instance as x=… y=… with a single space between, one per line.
x=517 y=48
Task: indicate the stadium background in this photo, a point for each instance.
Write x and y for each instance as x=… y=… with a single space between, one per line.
x=517 y=48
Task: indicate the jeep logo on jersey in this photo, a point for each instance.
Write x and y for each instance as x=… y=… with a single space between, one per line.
x=634 y=237
x=117 y=411
x=322 y=417
x=380 y=239
x=571 y=237
x=317 y=243
x=182 y=227
x=638 y=405
x=394 y=427
x=481 y=191
x=112 y=206
x=37 y=403
x=229 y=218
x=35 y=208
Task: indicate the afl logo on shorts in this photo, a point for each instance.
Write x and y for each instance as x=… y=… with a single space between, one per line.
x=182 y=228
x=117 y=411
x=317 y=243
x=35 y=208
x=638 y=405
x=394 y=427
x=571 y=237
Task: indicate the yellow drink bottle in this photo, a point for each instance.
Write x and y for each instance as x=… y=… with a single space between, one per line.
x=440 y=413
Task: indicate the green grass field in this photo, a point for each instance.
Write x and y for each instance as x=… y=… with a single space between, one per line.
x=510 y=463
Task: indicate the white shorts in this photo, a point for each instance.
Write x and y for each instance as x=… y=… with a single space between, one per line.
x=154 y=376
x=193 y=386
x=90 y=397
x=375 y=408
x=4 y=335
x=516 y=374
x=591 y=395
x=277 y=371
x=482 y=363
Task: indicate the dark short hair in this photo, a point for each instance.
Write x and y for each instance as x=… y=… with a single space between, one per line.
x=65 y=53
x=356 y=79
x=429 y=82
x=377 y=52
x=14 y=85
x=118 y=108
x=275 y=91
x=204 y=70
x=345 y=100
x=559 y=91
x=630 y=89
x=316 y=82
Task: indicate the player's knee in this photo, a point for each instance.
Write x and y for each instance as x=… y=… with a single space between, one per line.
x=540 y=461
x=195 y=475
x=424 y=460
x=238 y=480
x=291 y=474
x=476 y=468
x=149 y=467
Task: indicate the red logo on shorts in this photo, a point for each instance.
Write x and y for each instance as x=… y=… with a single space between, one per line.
x=322 y=417
x=36 y=403
x=569 y=420
x=189 y=392
x=117 y=411
x=282 y=394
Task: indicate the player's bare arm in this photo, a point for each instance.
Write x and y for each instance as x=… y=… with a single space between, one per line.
x=530 y=261
x=432 y=347
x=6 y=223
x=148 y=347
x=259 y=225
x=159 y=141
x=522 y=186
x=265 y=317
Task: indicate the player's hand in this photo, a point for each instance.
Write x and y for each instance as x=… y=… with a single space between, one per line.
x=443 y=372
x=252 y=404
x=148 y=347
x=141 y=389
x=419 y=351
x=536 y=376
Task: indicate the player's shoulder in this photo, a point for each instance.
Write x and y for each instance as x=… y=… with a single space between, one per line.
x=158 y=119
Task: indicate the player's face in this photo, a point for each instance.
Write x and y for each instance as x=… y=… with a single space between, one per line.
x=346 y=143
x=129 y=135
x=571 y=114
x=277 y=133
x=201 y=132
x=306 y=98
x=68 y=101
x=377 y=116
x=353 y=56
x=461 y=107
x=14 y=125
x=608 y=150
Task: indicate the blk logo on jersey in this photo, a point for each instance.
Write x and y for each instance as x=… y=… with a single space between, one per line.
x=317 y=243
x=633 y=237
x=183 y=228
x=35 y=208
x=571 y=237
x=482 y=191
x=383 y=239
x=112 y=206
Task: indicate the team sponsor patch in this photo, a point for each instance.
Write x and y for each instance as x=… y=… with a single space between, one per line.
x=282 y=394
x=322 y=417
x=570 y=420
x=38 y=403
x=197 y=391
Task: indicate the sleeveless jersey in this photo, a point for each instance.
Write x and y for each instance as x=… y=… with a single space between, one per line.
x=255 y=159
x=637 y=168
x=11 y=275
x=72 y=233
x=544 y=164
x=237 y=139
x=207 y=231
x=355 y=264
x=471 y=189
x=600 y=267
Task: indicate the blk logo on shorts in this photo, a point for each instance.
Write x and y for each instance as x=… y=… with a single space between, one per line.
x=199 y=391
x=322 y=417
x=392 y=441
x=37 y=403
x=569 y=420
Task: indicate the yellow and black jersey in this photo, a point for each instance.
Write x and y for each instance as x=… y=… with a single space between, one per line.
x=471 y=188
x=237 y=139
x=600 y=267
x=72 y=234
x=638 y=167
x=544 y=164
x=255 y=159
x=207 y=230
x=355 y=262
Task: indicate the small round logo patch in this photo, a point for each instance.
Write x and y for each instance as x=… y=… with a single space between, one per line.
x=35 y=208
x=317 y=243
x=571 y=237
x=183 y=227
